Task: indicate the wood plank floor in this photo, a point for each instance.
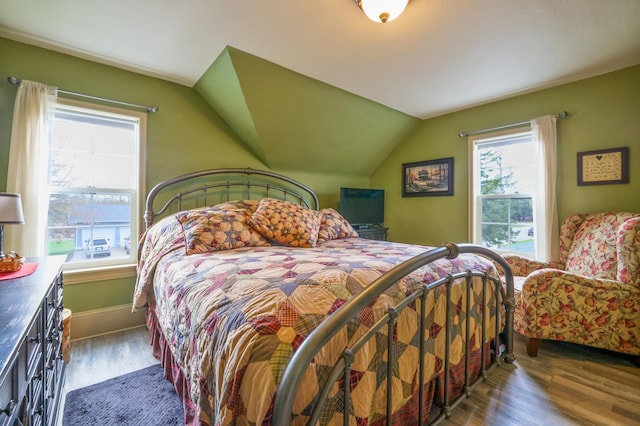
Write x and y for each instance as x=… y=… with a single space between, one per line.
x=565 y=385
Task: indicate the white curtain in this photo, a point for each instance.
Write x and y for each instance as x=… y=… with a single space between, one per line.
x=28 y=166
x=543 y=129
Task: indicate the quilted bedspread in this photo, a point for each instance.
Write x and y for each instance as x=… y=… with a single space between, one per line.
x=234 y=318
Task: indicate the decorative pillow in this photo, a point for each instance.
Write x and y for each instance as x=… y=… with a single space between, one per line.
x=286 y=223
x=593 y=253
x=244 y=205
x=333 y=226
x=213 y=229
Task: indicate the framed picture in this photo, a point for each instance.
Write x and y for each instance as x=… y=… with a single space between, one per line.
x=428 y=178
x=606 y=166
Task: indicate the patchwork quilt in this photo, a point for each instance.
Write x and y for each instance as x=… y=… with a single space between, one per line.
x=233 y=318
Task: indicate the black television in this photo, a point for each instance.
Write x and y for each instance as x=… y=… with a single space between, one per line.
x=361 y=206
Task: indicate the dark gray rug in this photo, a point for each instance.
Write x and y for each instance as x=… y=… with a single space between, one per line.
x=141 y=398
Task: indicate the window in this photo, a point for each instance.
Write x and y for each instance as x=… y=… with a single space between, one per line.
x=504 y=191
x=94 y=182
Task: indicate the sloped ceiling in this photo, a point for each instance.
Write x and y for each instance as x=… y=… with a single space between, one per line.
x=295 y=122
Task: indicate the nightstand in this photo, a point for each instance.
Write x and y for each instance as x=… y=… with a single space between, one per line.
x=373 y=233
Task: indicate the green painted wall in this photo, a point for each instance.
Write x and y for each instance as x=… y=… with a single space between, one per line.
x=291 y=120
x=185 y=135
x=604 y=114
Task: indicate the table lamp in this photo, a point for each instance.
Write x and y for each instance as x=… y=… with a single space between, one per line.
x=10 y=213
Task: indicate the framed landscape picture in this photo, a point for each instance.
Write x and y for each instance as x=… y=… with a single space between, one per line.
x=428 y=178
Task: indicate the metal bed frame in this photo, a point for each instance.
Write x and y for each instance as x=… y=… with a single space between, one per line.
x=271 y=184
x=232 y=179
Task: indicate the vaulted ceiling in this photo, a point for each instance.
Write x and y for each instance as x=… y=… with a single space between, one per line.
x=288 y=119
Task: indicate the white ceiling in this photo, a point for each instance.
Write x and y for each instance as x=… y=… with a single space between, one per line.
x=439 y=56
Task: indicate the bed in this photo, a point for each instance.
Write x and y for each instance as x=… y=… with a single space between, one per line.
x=265 y=309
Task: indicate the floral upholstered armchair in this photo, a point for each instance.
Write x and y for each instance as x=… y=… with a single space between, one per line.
x=590 y=297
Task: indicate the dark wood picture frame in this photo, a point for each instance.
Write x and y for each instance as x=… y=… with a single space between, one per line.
x=603 y=167
x=428 y=178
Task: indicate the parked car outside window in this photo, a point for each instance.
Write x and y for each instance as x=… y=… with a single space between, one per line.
x=98 y=247
x=530 y=231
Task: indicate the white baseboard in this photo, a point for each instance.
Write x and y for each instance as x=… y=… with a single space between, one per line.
x=104 y=321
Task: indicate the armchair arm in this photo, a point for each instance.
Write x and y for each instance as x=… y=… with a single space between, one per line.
x=523 y=266
x=597 y=312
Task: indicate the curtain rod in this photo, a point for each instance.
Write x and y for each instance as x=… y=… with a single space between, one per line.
x=563 y=114
x=16 y=82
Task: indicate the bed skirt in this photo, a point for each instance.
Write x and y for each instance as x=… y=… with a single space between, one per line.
x=172 y=372
x=434 y=391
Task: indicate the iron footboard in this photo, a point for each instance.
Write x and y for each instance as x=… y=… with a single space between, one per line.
x=303 y=357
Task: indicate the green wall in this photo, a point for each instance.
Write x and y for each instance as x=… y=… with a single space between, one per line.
x=604 y=113
x=185 y=135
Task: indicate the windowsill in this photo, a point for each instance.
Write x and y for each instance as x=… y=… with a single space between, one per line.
x=79 y=276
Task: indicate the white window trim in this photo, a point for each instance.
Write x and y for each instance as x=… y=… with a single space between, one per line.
x=83 y=274
x=475 y=233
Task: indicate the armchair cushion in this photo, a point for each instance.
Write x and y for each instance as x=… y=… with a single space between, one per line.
x=522 y=266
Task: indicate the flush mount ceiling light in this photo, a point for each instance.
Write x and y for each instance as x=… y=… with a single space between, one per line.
x=382 y=10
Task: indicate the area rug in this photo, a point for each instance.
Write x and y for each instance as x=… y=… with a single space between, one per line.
x=141 y=398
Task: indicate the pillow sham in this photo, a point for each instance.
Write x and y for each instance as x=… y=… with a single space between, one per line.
x=334 y=226
x=244 y=205
x=286 y=223
x=212 y=229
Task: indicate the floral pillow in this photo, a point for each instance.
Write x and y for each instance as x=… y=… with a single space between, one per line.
x=333 y=226
x=217 y=228
x=286 y=223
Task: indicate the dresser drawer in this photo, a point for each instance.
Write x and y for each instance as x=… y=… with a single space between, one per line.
x=8 y=400
x=33 y=343
x=35 y=394
x=53 y=305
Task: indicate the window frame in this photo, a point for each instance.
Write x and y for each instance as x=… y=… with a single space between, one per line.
x=476 y=198
x=109 y=269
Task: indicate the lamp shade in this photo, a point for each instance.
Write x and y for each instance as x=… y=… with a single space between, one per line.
x=383 y=10
x=10 y=209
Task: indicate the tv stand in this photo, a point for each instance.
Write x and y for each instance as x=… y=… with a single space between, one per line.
x=372 y=232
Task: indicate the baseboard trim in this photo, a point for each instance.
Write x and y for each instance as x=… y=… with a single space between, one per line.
x=104 y=321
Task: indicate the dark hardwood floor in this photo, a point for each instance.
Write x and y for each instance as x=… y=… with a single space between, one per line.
x=565 y=385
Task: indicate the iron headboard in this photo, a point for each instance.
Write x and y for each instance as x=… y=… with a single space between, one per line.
x=223 y=183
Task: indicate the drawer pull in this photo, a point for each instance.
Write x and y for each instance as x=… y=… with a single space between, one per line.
x=35 y=339
x=9 y=408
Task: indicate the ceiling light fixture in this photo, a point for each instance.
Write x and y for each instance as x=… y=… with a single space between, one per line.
x=382 y=10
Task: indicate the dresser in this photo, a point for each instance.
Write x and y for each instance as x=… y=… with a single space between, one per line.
x=31 y=365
